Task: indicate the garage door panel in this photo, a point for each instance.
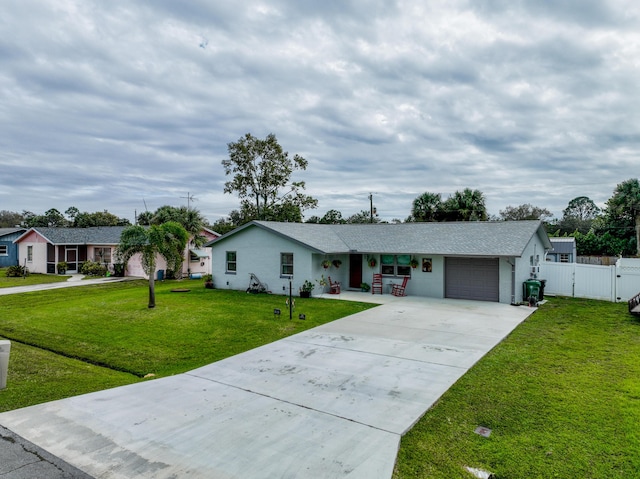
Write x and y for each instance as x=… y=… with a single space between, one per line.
x=472 y=278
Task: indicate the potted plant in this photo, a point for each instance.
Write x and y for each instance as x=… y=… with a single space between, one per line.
x=337 y=263
x=306 y=288
x=364 y=287
x=372 y=262
x=208 y=281
x=322 y=282
x=62 y=267
x=414 y=263
x=326 y=264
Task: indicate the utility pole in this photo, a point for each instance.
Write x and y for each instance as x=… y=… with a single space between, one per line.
x=372 y=210
x=371 y=206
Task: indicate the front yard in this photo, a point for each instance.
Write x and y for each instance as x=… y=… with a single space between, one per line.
x=560 y=395
x=30 y=279
x=85 y=339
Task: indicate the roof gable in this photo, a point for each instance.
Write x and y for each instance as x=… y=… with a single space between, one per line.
x=487 y=238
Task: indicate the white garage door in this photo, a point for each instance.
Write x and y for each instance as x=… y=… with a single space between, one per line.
x=472 y=278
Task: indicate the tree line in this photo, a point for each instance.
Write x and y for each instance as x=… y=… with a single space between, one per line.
x=261 y=170
x=260 y=173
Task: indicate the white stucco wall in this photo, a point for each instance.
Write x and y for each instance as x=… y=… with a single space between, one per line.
x=523 y=266
x=258 y=252
x=38 y=264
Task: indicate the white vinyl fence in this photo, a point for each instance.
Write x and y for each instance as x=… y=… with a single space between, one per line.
x=610 y=283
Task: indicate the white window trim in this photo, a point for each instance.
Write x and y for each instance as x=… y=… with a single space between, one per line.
x=227 y=262
x=283 y=264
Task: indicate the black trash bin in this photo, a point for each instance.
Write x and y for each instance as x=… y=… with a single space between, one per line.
x=542 y=283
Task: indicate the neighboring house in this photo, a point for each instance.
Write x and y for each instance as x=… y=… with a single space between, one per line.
x=41 y=249
x=197 y=260
x=485 y=261
x=8 y=249
x=563 y=250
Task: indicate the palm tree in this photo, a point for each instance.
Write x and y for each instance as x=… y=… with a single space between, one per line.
x=190 y=219
x=466 y=205
x=426 y=207
x=168 y=240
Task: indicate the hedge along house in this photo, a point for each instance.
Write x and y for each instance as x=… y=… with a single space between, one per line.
x=486 y=261
x=8 y=249
x=42 y=248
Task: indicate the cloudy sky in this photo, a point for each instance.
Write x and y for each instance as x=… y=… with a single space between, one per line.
x=114 y=105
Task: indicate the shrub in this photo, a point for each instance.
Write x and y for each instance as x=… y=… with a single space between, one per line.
x=16 y=271
x=91 y=268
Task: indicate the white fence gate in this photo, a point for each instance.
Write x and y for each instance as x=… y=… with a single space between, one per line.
x=610 y=283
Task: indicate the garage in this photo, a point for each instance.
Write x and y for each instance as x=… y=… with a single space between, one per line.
x=477 y=279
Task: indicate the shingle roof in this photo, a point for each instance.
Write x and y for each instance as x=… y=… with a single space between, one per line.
x=500 y=238
x=8 y=231
x=93 y=235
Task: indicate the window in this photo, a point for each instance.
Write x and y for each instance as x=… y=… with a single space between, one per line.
x=4 y=250
x=564 y=257
x=30 y=253
x=286 y=264
x=395 y=265
x=231 y=262
x=102 y=255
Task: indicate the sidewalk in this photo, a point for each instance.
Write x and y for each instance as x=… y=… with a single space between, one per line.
x=74 y=280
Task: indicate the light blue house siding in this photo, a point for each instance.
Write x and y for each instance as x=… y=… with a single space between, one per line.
x=8 y=249
x=259 y=252
x=503 y=253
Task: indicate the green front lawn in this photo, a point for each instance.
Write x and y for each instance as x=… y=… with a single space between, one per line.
x=107 y=335
x=561 y=395
x=29 y=280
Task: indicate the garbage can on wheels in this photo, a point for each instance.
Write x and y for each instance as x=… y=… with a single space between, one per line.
x=5 y=347
x=531 y=291
x=543 y=282
x=160 y=275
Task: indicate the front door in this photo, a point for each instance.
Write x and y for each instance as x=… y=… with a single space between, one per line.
x=355 y=271
x=71 y=257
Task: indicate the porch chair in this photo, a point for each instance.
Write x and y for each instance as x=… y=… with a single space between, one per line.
x=399 y=289
x=376 y=285
x=334 y=286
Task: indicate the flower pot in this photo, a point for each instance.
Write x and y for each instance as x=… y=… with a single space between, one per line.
x=305 y=294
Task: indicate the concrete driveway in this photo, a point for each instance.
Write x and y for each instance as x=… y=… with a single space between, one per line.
x=331 y=402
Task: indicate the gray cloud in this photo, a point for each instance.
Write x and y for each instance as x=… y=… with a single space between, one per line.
x=113 y=105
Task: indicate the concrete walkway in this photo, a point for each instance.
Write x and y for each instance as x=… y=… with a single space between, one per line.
x=331 y=402
x=74 y=280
